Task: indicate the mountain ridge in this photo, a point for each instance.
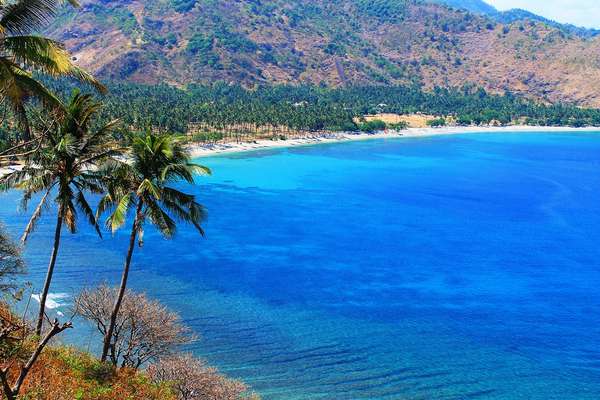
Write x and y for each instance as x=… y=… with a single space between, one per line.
x=475 y=6
x=356 y=42
x=516 y=15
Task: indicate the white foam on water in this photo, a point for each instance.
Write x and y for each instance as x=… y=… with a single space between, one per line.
x=53 y=301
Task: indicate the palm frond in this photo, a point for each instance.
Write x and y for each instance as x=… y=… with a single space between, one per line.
x=174 y=172
x=155 y=160
x=105 y=203
x=66 y=160
x=119 y=215
x=90 y=182
x=25 y=16
x=161 y=219
x=26 y=86
x=85 y=77
x=37 y=214
x=98 y=137
x=34 y=183
x=13 y=179
x=198 y=214
x=178 y=196
x=147 y=187
x=16 y=95
x=70 y=216
x=87 y=210
x=193 y=214
x=199 y=169
x=93 y=159
x=39 y=53
x=185 y=207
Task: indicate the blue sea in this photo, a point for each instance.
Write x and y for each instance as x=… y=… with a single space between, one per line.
x=451 y=267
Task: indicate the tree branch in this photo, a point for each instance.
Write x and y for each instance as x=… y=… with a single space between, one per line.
x=55 y=330
x=5 y=385
x=7 y=151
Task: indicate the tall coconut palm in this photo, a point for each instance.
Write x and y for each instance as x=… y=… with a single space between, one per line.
x=65 y=165
x=143 y=186
x=22 y=52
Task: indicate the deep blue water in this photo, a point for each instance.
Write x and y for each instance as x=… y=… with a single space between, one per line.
x=456 y=267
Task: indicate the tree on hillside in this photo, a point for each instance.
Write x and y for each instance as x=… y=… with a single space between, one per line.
x=143 y=186
x=145 y=330
x=11 y=264
x=64 y=164
x=18 y=353
x=22 y=52
x=192 y=379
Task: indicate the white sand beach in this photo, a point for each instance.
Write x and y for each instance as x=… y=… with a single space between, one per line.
x=207 y=150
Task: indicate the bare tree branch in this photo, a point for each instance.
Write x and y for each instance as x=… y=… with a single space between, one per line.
x=145 y=330
x=192 y=379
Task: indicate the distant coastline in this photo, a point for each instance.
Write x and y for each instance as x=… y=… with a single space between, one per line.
x=213 y=149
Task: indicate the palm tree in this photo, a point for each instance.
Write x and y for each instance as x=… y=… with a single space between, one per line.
x=22 y=53
x=143 y=185
x=65 y=163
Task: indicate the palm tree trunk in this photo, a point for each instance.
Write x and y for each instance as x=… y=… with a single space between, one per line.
x=44 y=294
x=124 y=276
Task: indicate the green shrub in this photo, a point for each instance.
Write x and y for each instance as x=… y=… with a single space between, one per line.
x=438 y=122
x=372 y=126
x=398 y=126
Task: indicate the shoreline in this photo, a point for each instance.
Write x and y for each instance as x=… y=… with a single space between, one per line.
x=200 y=150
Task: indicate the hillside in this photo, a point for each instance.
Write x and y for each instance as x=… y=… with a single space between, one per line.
x=328 y=42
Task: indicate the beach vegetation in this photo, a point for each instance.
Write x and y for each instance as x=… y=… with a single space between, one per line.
x=230 y=112
x=372 y=126
x=20 y=349
x=33 y=368
x=208 y=137
x=437 y=122
x=397 y=126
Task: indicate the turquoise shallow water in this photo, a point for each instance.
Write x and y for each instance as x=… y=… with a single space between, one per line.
x=456 y=267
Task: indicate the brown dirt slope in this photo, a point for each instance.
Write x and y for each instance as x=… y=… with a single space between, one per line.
x=329 y=42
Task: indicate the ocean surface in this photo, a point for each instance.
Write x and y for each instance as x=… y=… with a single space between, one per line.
x=454 y=267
